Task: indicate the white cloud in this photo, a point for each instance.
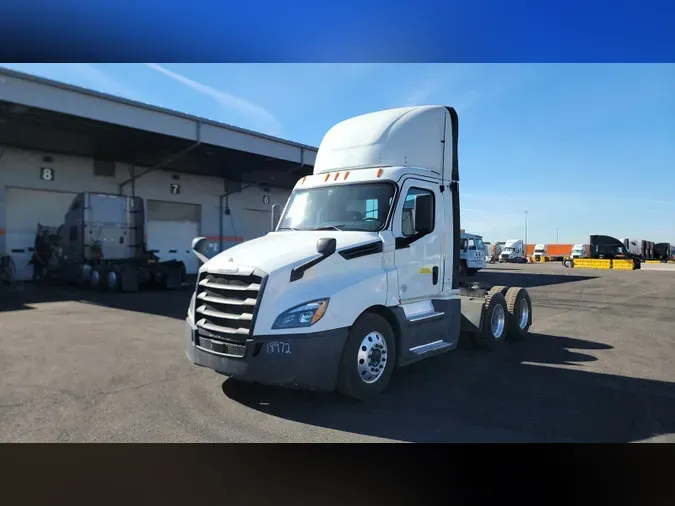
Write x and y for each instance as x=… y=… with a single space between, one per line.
x=226 y=100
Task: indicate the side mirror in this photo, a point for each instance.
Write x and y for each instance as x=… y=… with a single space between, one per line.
x=423 y=212
x=276 y=216
x=199 y=246
x=326 y=246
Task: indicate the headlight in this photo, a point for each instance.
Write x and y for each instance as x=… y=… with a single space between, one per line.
x=191 y=309
x=304 y=315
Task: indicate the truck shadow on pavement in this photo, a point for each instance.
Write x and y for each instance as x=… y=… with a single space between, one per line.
x=523 y=393
x=169 y=303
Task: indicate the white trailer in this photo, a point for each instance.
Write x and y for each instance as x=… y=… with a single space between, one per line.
x=361 y=272
x=471 y=254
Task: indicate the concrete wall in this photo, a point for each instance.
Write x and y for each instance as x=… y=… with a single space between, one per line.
x=22 y=169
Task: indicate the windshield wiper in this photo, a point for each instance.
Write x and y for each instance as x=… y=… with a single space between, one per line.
x=288 y=228
x=330 y=227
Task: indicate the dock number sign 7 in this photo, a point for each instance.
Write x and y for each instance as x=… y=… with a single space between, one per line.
x=175 y=189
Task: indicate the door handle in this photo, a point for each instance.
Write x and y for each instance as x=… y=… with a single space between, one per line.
x=434 y=275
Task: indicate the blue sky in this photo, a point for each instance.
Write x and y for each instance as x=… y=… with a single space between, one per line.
x=583 y=148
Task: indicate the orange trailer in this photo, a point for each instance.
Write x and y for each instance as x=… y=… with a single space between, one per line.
x=554 y=251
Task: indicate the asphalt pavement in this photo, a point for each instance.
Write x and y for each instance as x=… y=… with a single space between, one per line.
x=599 y=366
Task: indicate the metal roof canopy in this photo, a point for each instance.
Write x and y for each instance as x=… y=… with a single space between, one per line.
x=40 y=114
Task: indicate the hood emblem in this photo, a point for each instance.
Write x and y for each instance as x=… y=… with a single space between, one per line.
x=228 y=270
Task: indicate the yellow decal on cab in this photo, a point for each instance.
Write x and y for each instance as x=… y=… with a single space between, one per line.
x=425 y=270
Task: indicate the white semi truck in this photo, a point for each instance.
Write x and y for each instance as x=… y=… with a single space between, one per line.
x=580 y=251
x=540 y=252
x=361 y=271
x=513 y=251
x=471 y=254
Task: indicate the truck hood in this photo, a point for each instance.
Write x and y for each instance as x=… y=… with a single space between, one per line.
x=278 y=250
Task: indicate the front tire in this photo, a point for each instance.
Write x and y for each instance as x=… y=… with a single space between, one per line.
x=368 y=358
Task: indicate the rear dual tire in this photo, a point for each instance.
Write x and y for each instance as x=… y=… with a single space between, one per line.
x=507 y=316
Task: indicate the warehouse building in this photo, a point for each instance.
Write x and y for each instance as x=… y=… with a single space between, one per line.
x=196 y=176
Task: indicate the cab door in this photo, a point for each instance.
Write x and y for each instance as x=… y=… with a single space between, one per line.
x=419 y=263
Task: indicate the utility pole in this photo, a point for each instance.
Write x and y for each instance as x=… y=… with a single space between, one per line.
x=526 y=229
x=557 y=240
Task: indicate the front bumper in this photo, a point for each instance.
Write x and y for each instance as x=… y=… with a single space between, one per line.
x=308 y=361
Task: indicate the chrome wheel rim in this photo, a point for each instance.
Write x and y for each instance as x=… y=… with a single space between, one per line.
x=524 y=311
x=86 y=273
x=95 y=278
x=498 y=322
x=372 y=357
x=112 y=280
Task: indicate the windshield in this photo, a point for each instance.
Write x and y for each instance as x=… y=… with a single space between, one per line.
x=539 y=250
x=508 y=250
x=347 y=207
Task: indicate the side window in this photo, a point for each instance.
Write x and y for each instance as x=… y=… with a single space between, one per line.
x=407 y=219
x=472 y=244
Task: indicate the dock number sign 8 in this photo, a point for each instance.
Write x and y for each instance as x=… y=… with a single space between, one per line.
x=46 y=174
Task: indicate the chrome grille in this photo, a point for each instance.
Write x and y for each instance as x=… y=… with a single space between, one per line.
x=223 y=347
x=226 y=303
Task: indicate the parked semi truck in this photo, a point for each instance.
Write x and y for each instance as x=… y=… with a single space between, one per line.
x=471 y=254
x=101 y=244
x=513 y=251
x=662 y=251
x=580 y=251
x=361 y=272
x=540 y=253
x=639 y=247
x=605 y=246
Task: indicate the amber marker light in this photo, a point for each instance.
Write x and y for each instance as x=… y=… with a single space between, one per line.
x=320 y=312
x=346 y=174
x=379 y=172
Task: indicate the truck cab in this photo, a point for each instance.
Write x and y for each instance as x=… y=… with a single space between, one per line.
x=513 y=251
x=579 y=251
x=605 y=246
x=471 y=254
x=540 y=252
x=361 y=271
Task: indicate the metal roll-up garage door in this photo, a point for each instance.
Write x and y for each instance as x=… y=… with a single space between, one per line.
x=171 y=228
x=24 y=209
x=256 y=223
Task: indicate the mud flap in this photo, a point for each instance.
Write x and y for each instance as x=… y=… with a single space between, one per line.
x=472 y=314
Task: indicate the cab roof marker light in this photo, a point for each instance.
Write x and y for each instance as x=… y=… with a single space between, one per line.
x=379 y=172
x=337 y=175
x=302 y=181
x=326 y=178
x=346 y=174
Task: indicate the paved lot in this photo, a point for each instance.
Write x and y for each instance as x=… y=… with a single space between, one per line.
x=600 y=367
